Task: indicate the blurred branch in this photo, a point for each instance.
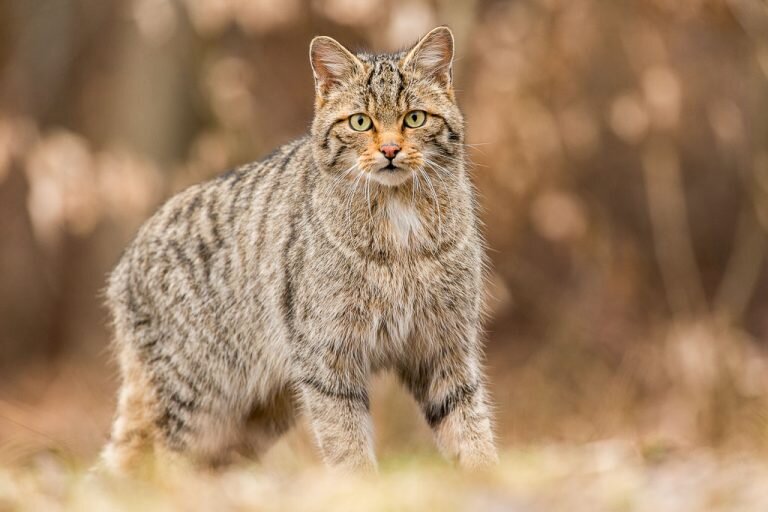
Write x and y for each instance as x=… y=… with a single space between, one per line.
x=743 y=269
x=42 y=46
x=671 y=234
x=752 y=15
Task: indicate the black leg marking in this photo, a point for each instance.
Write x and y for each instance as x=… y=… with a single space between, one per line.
x=436 y=413
x=352 y=395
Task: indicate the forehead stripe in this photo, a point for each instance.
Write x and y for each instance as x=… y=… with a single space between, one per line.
x=370 y=78
x=385 y=85
x=400 y=84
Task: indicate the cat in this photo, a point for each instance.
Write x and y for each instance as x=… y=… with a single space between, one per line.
x=281 y=287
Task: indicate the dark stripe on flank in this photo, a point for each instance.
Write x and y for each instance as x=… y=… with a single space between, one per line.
x=172 y=425
x=188 y=265
x=232 y=175
x=173 y=218
x=194 y=204
x=257 y=178
x=290 y=154
x=141 y=322
x=234 y=204
x=166 y=368
x=133 y=307
x=204 y=254
x=274 y=186
x=213 y=218
x=180 y=403
x=261 y=170
x=148 y=343
x=289 y=292
x=272 y=154
x=436 y=413
x=291 y=271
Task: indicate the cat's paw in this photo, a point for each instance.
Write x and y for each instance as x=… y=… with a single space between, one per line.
x=479 y=456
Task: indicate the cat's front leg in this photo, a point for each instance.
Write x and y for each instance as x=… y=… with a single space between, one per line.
x=462 y=425
x=450 y=389
x=336 y=399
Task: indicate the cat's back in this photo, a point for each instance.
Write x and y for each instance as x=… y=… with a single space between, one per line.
x=194 y=246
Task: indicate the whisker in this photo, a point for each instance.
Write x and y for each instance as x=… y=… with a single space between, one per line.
x=469 y=145
x=438 y=166
x=344 y=174
x=441 y=168
x=465 y=159
x=414 y=185
x=349 y=202
x=430 y=164
x=437 y=206
x=475 y=146
x=368 y=196
x=450 y=160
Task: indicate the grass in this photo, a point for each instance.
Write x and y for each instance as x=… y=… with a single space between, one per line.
x=602 y=476
x=53 y=423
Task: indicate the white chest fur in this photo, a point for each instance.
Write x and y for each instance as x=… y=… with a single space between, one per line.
x=405 y=221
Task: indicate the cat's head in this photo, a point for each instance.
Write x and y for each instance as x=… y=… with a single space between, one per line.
x=388 y=115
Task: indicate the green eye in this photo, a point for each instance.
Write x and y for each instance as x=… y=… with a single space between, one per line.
x=415 y=118
x=360 y=122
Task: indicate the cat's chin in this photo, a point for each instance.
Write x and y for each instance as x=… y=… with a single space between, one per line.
x=392 y=177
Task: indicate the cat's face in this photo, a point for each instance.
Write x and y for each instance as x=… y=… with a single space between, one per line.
x=386 y=116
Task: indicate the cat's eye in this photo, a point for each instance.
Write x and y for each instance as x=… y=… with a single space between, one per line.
x=360 y=122
x=415 y=118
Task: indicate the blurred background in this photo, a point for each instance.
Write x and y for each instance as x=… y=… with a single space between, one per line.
x=620 y=151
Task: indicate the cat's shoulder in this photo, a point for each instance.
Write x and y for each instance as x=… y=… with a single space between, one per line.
x=278 y=156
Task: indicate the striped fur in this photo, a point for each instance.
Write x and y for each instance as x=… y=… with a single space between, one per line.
x=284 y=285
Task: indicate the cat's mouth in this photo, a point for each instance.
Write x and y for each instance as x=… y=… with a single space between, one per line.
x=391 y=175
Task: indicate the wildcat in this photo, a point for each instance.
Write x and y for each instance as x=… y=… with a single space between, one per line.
x=282 y=286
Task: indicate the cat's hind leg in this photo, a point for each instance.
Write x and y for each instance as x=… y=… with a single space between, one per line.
x=133 y=435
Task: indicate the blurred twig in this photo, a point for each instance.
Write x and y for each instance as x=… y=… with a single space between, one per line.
x=752 y=15
x=743 y=269
x=671 y=233
x=6 y=409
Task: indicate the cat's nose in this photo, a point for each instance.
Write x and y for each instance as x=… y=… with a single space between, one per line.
x=390 y=150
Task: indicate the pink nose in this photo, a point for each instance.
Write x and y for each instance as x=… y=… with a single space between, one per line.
x=390 y=150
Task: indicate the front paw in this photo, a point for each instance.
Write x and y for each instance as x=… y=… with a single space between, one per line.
x=479 y=455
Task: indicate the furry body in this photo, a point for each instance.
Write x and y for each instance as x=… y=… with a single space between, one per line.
x=284 y=285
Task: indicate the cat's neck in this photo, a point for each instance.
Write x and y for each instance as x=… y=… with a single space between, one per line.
x=424 y=215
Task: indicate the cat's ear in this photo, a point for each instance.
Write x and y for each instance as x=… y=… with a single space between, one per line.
x=332 y=64
x=432 y=56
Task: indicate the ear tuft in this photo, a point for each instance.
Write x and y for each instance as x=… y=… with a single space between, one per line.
x=332 y=64
x=432 y=56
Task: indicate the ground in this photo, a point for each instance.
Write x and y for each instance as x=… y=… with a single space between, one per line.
x=602 y=476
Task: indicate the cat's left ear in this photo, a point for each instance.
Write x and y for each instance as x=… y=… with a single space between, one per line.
x=332 y=64
x=432 y=56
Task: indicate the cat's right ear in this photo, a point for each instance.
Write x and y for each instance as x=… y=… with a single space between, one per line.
x=332 y=64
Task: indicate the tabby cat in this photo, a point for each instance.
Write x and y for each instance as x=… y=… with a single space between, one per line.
x=282 y=286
